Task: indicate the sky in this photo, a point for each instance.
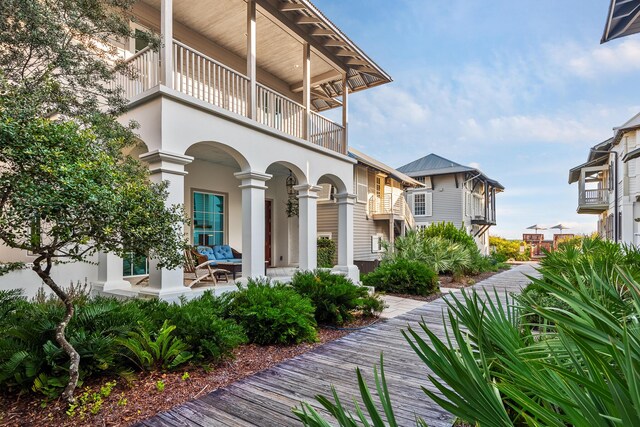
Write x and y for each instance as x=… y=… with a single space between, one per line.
x=520 y=89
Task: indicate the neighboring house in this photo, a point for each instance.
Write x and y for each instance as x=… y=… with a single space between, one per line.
x=230 y=114
x=381 y=212
x=453 y=193
x=609 y=184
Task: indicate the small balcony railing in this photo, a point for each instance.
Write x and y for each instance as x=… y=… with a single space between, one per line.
x=388 y=205
x=195 y=74
x=597 y=197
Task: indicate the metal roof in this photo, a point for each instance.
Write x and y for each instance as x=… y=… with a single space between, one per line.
x=622 y=20
x=370 y=161
x=433 y=164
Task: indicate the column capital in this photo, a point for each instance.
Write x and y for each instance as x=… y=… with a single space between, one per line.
x=166 y=161
x=307 y=191
x=345 y=198
x=253 y=179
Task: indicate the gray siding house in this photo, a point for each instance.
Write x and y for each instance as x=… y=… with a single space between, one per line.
x=453 y=193
x=380 y=214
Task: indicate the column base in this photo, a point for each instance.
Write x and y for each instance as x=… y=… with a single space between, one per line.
x=350 y=271
x=170 y=294
x=111 y=285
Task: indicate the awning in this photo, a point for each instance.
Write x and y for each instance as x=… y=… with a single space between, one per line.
x=574 y=173
x=622 y=20
x=633 y=154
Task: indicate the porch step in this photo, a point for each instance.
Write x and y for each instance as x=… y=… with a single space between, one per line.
x=281 y=274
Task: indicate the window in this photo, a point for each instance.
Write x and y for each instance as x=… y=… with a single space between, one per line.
x=325 y=235
x=376 y=243
x=362 y=184
x=426 y=180
x=422 y=204
x=135 y=265
x=208 y=219
x=140 y=38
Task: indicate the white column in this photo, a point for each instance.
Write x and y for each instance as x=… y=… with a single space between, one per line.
x=308 y=227
x=166 y=38
x=345 y=237
x=306 y=88
x=251 y=58
x=110 y=275
x=253 y=222
x=169 y=167
x=345 y=112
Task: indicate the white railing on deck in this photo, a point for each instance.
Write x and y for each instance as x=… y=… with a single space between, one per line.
x=145 y=68
x=388 y=204
x=205 y=78
x=326 y=133
x=598 y=196
x=279 y=112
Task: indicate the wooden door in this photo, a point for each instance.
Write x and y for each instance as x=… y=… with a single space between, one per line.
x=267 y=231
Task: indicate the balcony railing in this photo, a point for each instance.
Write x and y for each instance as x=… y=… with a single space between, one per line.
x=195 y=74
x=595 y=197
x=388 y=204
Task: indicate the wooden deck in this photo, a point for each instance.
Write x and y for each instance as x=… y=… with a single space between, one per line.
x=266 y=398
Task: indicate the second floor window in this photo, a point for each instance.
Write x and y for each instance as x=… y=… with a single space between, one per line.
x=422 y=204
x=419 y=204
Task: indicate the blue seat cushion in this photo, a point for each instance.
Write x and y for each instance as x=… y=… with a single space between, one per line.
x=207 y=251
x=235 y=260
x=222 y=252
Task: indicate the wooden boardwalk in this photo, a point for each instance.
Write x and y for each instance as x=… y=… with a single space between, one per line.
x=266 y=398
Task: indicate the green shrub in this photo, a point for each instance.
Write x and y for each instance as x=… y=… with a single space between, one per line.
x=273 y=314
x=326 y=253
x=334 y=296
x=438 y=253
x=162 y=351
x=448 y=231
x=509 y=249
x=200 y=324
x=403 y=276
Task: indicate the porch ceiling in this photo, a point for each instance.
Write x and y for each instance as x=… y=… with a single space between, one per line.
x=213 y=154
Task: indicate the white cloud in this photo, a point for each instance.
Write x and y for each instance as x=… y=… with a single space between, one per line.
x=599 y=61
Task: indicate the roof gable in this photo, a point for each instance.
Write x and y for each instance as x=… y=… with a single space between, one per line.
x=432 y=162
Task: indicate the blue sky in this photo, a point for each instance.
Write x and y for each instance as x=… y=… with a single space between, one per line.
x=520 y=89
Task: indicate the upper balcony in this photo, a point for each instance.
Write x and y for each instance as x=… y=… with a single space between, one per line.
x=593 y=186
x=391 y=206
x=279 y=63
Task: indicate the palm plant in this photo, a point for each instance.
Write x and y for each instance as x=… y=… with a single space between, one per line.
x=578 y=367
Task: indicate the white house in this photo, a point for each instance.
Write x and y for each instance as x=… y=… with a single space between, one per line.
x=453 y=193
x=230 y=113
x=609 y=184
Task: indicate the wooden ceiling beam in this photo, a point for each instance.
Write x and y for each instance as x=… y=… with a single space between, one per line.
x=335 y=43
x=290 y=7
x=321 y=32
x=354 y=61
x=308 y=20
x=319 y=79
x=345 y=52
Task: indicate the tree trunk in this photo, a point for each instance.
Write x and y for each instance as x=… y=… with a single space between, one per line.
x=74 y=357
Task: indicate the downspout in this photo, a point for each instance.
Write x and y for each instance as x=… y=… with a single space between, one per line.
x=616 y=220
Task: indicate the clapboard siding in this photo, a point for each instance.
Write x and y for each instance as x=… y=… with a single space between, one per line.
x=447 y=201
x=363 y=229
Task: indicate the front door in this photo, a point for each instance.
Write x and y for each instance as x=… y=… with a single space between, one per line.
x=267 y=231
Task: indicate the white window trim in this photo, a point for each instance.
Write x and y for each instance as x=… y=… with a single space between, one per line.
x=428 y=204
x=325 y=235
x=361 y=170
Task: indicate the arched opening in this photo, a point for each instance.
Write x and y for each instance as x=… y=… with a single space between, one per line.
x=213 y=199
x=282 y=214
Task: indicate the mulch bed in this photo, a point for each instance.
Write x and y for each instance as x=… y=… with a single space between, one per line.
x=141 y=398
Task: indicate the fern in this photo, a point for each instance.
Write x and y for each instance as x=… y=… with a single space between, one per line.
x=165 y=351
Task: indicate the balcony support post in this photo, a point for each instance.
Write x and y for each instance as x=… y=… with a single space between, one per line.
x=345 y=113
x=306 y=89
x=166 y=40
x=251 y=59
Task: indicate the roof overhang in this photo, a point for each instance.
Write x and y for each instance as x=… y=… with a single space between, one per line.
x=376 y=164
x=574 y=173
x=623 y=19
x=633 y=154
